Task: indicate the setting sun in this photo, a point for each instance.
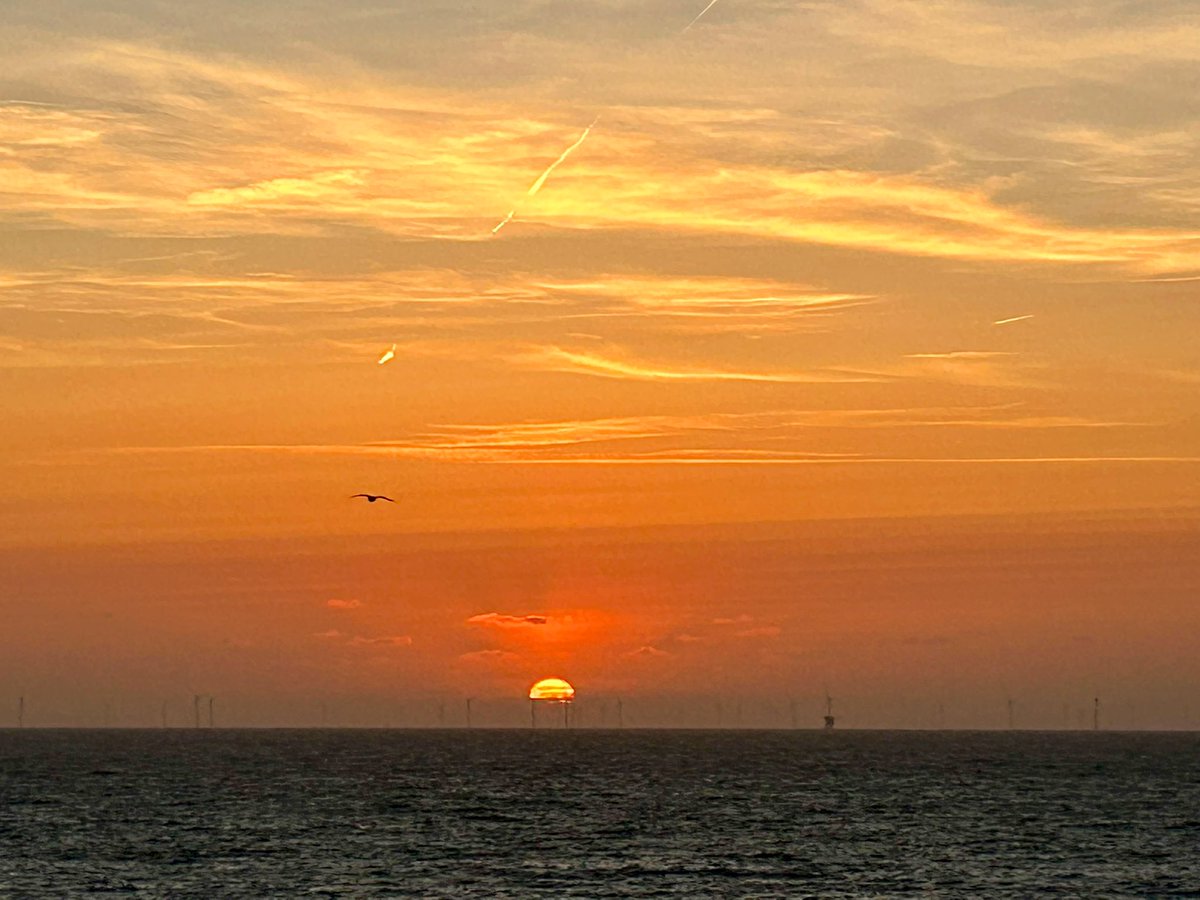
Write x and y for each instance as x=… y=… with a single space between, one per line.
x=554 y=689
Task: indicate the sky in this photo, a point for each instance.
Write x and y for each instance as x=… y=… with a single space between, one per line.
x=811 y=347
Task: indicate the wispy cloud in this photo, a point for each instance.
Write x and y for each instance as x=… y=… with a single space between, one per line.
x=770 y=437
x=337 y=603
x=556 y=359
x=389 y=641
x=500 y=620
x=346 y=163
x=647 y=652
x=315 y=188
x=762 y=631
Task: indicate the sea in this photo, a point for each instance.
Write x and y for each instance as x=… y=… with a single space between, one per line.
x=581 y=813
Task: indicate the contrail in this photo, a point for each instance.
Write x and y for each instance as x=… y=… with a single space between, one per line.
x=537 y=185
x=1013 y=319
x=512 y=212
x=388 y=354
x=711 y=4
x=541 y=180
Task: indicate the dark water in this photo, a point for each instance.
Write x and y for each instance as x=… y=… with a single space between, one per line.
x=597 y=814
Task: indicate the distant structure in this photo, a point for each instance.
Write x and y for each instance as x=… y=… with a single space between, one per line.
x=211 y=699
x=795 y=717
x=829 y=718
x=469 y=711
x=164 y=714
x=1096 y=714
x=21 y=712
x=620 y=713
x=1010 y=714
x=196 y=708
x=553 y=690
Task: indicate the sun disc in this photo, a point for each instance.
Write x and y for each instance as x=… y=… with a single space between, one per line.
x=554 y=689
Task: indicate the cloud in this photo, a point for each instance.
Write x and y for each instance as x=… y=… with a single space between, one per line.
x=764 y=631
x=647 y=652
x=738 y=620
x=343 y=604
x=332 y=634
x=391 y=641
x=489 y=658
x=556 y=359
x=315 y=188
x=323 y=149
x=499 y=620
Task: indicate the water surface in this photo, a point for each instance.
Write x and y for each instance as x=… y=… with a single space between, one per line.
x=232 y=813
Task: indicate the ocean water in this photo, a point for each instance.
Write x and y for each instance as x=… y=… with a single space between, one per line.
x=243 y=813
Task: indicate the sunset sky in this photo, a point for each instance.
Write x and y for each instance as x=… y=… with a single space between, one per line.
x=855 y=347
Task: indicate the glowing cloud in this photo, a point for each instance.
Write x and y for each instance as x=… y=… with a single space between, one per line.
x=343 y=604
x=396 y=641
x=1013 y=319
x=387 y=355
x=281 y=190
x=555 y=359
x=499 y=620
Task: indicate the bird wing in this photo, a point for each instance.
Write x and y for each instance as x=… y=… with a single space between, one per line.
x=388 y=499
x=352 y=496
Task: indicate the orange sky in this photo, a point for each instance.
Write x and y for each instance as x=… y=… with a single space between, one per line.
x=853 y=347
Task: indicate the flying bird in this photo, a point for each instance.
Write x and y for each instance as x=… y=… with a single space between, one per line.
x=371 y=498
x=1013 y=319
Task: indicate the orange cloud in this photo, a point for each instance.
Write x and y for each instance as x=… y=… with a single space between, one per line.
x=343 y=604
x=647 y=652
x=765 y=631
x=556 y=359
x=500 y=620
x=489 y=658
x=397 y=641
x=732 y=621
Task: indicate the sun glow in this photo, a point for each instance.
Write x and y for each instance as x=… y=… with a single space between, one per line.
x=553 y=689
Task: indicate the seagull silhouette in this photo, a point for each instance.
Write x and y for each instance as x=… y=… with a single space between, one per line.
x=371 y=498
